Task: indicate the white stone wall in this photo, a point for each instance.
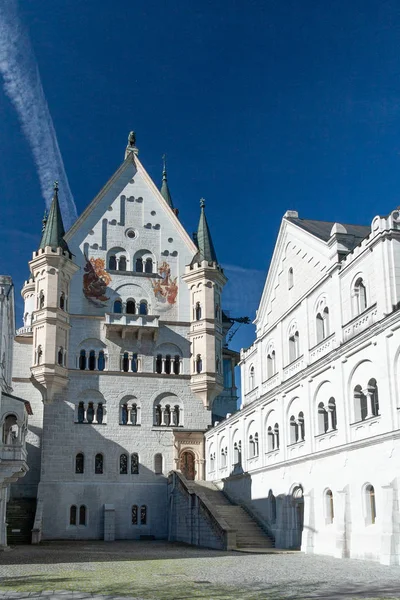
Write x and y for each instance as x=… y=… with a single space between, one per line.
x=358 y=451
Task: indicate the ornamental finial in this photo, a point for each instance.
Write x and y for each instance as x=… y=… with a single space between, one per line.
x=55 y=186
x=202 y=203
x=132 y=139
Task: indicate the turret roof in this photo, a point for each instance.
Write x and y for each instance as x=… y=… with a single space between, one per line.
x=204 y=240
x=165 y=193
x=53 y=234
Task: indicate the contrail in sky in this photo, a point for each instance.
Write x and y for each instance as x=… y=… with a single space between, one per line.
x=23 y=86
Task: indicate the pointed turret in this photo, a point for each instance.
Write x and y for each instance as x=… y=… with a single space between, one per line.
x=165 y=193
x=204 y=241
x=53 y=232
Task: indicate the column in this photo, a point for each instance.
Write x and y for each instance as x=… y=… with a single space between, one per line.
x=307 y=538
x=163 y=415
x=163 y=366
x=386 y=516
x=339 y=507
x=368 y=394
x=129 y=421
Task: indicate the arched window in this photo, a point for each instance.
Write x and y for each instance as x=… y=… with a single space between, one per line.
x=159 y=363
x=124 y=414
x=322 y=325
x=139 y=265
x=270 y=439
x=323 y=419
x=199 y=364
x=130 y=307
x=302 y=430
x=271 y=365
x=360 y=293
x=92 y=360
x=90 y=413
x=82 y=515
x=98 y=464
x=370 y=504
x=290 y=278
x=82 y=360
x=123 y=464
x=237 y=453
x=168 y=364
x=79 y=463
x=251 y=378
x=60 y=357
x=99 y=413
x=135 y=464
x=224 y=452
x=122 y=263
x=101 y=361
x=158 y=415
x=125 y=362
x=10 y=430
x=134 y=363
x=143 y=515
x=276 y=433
x=293 y=430
x=112 y=263
x=39 y=355
x=72 y=515
x=329 y=507
x=41 y=299
x=198 y=311
x=177 y=364
x=143 y=308
x=62 y=300
x=294 y=347
x=118 y=307
x=134 y=514
x=252 y=451
x=158 y=464
x=212 y=461
x=167 y=415
x=176 y=415
x=360 y=404
x=373 y=393
x=148 y=265
x=81 y=412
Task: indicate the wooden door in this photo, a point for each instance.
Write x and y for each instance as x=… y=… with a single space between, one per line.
x=187 y=465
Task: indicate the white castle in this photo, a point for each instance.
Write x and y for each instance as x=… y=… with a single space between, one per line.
x=135 y=430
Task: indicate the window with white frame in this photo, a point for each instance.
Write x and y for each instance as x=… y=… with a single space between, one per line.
x=370 y=504
x=129 y=411
x=294 y=343
x=366 y=401
x=360 y=296
x=271 y=361
x=290 y=278
x=252 y=379
x=296 y=428
x=322 y=324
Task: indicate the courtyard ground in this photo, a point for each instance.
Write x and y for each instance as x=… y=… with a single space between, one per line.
x=162 y=571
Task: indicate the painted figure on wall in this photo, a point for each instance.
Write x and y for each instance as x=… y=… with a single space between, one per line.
x=166 y=289
x=95 y=281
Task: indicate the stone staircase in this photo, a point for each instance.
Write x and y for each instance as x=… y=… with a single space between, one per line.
x=248 y=533
x=20 y=518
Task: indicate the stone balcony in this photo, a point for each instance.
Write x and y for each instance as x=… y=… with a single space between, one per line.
x=293 y=368
x=360 y=323
x=24 y=331
x=126 y=324
x=322 y=348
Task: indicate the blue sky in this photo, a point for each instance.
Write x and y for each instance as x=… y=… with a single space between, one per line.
x=261 y=106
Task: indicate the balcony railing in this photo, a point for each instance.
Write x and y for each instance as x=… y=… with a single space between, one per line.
x=24 y=331
x=360 y=323
x=124 y=323
x=324 y=347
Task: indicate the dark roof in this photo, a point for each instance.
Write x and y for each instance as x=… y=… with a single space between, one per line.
x=26 y=402
x=53 y=234
x=322 y=229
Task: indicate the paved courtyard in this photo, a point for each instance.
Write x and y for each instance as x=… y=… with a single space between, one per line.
x=161 y=571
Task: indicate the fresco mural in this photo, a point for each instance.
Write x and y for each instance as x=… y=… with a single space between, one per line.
x=166 y=289
x=95 y=281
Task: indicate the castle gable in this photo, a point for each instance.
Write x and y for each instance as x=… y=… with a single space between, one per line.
x=129 y=242
x=299 y=261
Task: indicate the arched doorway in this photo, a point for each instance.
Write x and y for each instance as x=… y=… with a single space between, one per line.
x=187 y=465
x=298 y=515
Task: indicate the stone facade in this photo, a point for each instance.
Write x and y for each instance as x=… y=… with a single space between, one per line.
x=107 y=351
x=315 y=448
x=13 y=410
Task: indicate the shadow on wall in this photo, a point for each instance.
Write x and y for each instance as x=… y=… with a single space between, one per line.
x=281 y=516
x=83 y=470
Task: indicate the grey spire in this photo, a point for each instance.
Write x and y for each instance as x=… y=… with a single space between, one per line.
x=204 y=241
x=164 y=186
x=53 y=233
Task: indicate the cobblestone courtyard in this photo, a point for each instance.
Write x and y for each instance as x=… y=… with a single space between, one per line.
x=161 y=571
